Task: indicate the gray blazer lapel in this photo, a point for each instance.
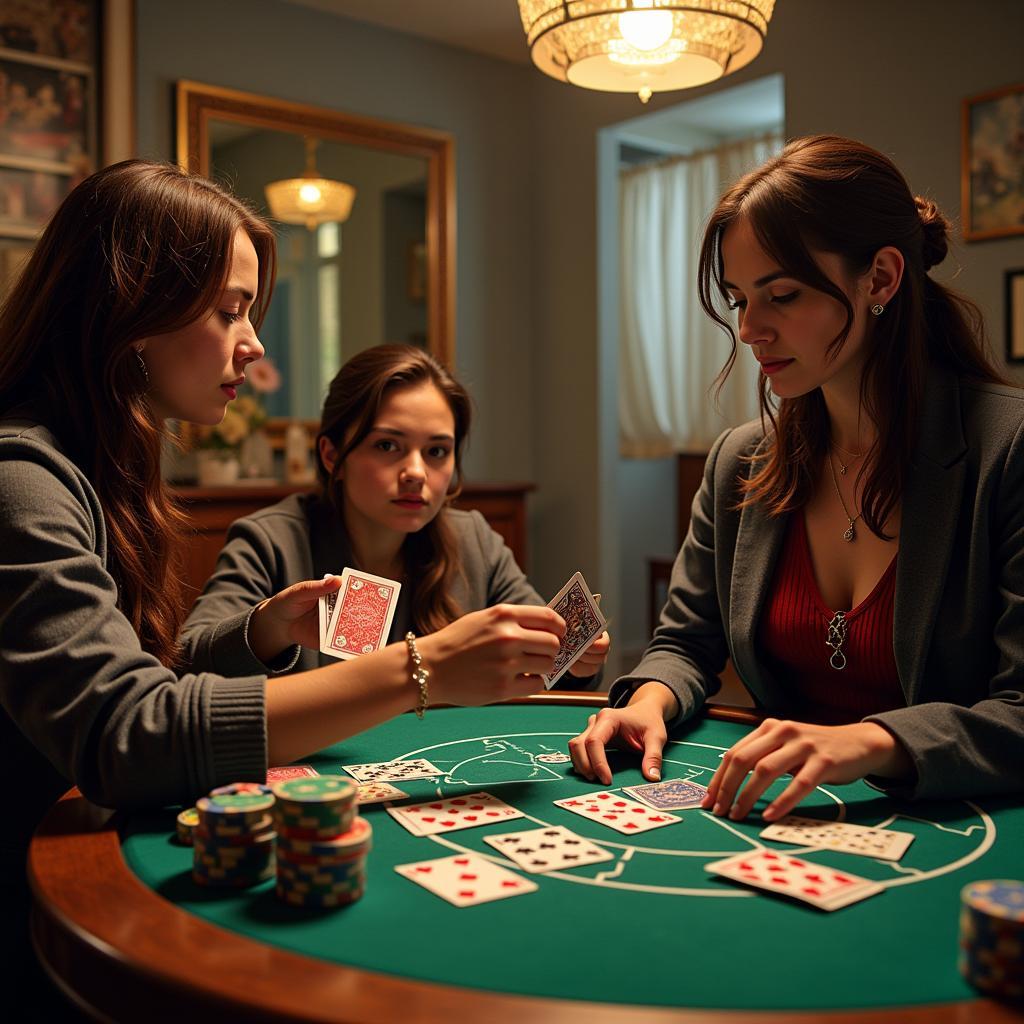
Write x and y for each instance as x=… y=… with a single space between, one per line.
x=758 y=541
x=930 y=504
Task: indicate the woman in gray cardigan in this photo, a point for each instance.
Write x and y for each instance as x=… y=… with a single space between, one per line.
x=859 y=552
x=392 y=432
x=140 y=303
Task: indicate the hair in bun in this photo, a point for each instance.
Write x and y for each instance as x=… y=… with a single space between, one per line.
x=934 y=232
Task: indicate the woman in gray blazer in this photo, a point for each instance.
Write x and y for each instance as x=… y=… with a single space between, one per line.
x=859 y=551
x=392 y=432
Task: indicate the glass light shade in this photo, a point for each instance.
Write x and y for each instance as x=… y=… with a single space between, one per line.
x=643 y=46
x=310 y=201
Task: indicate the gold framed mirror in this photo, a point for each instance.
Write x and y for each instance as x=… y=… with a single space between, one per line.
x=389 y=268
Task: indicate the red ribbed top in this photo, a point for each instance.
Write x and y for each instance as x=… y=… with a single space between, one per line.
x=793 y=630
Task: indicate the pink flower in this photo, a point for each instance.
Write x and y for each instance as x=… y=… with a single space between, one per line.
x=263 y=376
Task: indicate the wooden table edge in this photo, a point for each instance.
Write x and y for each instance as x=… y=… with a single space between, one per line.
x=114 y=963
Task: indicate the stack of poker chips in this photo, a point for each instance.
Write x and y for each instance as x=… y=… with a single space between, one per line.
x=992 y=937
x=233 y=844
x=321 y=844
x=188 y=821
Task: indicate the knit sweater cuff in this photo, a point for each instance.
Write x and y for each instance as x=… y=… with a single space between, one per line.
x=238 y=729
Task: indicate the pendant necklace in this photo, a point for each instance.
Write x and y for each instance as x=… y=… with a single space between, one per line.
x=849 y=534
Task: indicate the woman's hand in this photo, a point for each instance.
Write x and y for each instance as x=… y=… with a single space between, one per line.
x=492 y=655
x=592 y=658
x=288 y=618
x=812 y=754
x=640 y=725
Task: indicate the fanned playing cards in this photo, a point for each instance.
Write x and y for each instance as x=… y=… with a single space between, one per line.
x=360 y=615
x=584 y=623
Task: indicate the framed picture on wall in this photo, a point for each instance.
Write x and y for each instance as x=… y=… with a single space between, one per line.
x=992 y=164
x=65 y=108
x=1015 y=316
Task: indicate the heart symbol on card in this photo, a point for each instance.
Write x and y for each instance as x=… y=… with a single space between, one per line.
x=467 y=876
x=469 y=817
x=425 y=871
x=461 y=860
x=467 y=894
x=447 y=824
x=430 y=821
x=510 y=885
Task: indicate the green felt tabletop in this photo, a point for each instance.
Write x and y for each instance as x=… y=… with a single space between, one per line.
x=650 y=927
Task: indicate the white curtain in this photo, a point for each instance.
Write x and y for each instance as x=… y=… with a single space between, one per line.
x=670 y=352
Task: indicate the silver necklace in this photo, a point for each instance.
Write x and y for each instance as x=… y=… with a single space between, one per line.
x=835 y=638
x=849 y=534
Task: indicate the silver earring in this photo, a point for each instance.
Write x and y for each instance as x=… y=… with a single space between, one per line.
x=142 y=365
x=878 y=309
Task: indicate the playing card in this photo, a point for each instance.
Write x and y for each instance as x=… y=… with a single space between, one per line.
x=390 y=771
x=671 y=795
x=362 y=615
x=378 y=792
x=882 y=843
x=779 y=873
x=584 y=623
x=325 y=609
x=291 y=771
x=466 y=879
x=552 y=848
x=451 y=814
x=618 y=812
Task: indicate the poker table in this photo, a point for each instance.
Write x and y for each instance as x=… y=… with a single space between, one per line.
x=649 y=936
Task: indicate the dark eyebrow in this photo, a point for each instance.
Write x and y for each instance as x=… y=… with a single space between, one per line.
x=238 y=290
x=401 y=433
x=760 y=282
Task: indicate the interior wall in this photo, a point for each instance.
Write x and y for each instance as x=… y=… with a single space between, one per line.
x=530 y=344
x=295 y=53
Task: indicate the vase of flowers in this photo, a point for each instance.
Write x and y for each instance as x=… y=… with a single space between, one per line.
x=238 y=445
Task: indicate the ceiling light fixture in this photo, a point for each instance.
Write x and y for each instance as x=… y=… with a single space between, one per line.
x=643 y=46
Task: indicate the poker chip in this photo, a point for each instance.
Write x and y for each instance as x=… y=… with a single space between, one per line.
x=322 y=845
x=233 y=839
x=187 y=822
x=992 y=937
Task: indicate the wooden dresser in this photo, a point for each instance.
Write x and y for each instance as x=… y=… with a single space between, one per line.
x=214 y=509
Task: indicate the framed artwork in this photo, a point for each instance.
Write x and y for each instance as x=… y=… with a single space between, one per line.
x=1015 y=315
x=992 y=164
x=65 y=108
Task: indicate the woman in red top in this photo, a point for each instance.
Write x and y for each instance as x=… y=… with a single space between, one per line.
x=859 y=551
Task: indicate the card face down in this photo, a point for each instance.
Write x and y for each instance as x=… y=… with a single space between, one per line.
x=779 y=873
x=466 y=879
x=881 y=843
x=291 y=771
x=362 y=616
x=670 y=795
x=584 y=623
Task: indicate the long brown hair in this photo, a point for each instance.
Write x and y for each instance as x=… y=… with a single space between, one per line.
x=839 y=196
x=353 y=401
x=136 y=250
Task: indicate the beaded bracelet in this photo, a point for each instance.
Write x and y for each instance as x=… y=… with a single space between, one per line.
x=419 y=674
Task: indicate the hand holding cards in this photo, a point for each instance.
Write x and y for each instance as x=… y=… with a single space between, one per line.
x=584 y=623
x=356 y=620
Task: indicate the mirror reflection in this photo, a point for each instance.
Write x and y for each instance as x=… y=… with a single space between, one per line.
x=341 y=286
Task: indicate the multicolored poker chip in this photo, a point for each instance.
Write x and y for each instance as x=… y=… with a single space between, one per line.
x=992 y=937
x=186 y=824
